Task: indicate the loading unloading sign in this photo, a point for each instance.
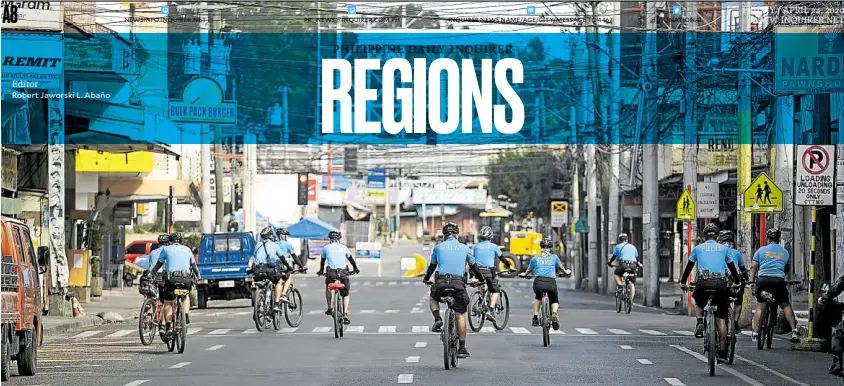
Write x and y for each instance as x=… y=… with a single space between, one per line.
x=815 y=184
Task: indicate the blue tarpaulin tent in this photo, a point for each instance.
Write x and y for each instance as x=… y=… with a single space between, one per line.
x=310 y=228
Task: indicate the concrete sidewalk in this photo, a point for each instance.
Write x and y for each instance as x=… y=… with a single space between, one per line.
x=109 y=308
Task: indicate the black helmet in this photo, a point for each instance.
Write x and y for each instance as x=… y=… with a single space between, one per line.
x=622 y=238
x=773 y=235
x=710 y=231
x=725 y=236
x=282 y=232
x=334 y=236
x=546 y=243
x=486 y=233
x=175 y=237
x=266 y=233
x=450 y=229
x=164 y=239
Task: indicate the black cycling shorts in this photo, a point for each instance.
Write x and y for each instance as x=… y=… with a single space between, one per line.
x=626 y=267
x=461 y=297
x=542 y=285
x=720 y=296
x=740 y=295
x=775 y=285
x=491 y=280
x=338 y=274
x=176 y=280
x=269 y=272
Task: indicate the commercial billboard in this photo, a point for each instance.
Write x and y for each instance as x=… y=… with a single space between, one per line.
x=810 y=60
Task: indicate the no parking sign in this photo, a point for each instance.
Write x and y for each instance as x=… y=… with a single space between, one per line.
x=815 y=184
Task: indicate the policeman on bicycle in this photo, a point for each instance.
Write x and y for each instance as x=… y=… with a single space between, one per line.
x=770 y=263
x=487 y=257
x=287 y=249
x=628 y=261
x=545 y=268
x=727 y=239
x=182 y=271
x=335 y=255
x=267 y=262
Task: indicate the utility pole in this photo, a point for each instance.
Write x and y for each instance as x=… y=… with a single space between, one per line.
x=650 y=160
x=398 y=204
x=388 y=226
x=205 y=132
x=690 y=147
x=839 y=209
x=745 y=236
x=613 y=225
x=593 y=125
x=575 y=206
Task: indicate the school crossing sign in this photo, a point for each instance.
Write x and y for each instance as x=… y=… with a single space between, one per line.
x=815 y=171
x=686 y=207
x=762 y=196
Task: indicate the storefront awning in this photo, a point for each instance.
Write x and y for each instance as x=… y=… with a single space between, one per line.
x=141 y=190
x=112 y=123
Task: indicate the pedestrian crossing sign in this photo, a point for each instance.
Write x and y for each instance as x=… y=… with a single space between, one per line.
x=762 y=196
x=686 y=207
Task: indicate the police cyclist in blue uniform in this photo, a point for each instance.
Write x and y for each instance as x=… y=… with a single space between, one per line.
x=268 y=258
x=334 y=255
x=628 y=261
x=727 y=239
x=289 y=253
x=545 y=267
x=449 y=259
x=182 y=273
x=767 y=272
x=487 y=257
x=713 y=262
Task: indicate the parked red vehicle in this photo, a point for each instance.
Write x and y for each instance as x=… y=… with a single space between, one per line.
x=134 y=250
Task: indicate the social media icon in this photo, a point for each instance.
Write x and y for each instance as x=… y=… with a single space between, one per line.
x=353 y=10
x=676 y=10
x=165 y=10
x=531 y=10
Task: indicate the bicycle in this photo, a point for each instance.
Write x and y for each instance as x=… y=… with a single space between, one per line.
x=479 y=307
x=768 y=318
x=449 y=335
x=544 y=315
x=264 y=310
x=337 y=301
x=622 y=295
x=293 y=309
x=180 y=330
x=711 y=339
x=151 y=313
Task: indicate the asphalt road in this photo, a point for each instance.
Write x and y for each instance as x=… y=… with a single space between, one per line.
x=388 y=343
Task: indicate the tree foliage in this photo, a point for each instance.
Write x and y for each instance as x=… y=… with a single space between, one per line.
x=526 y=176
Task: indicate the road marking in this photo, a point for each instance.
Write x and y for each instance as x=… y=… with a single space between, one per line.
x=250 y=331
x=354 y=329
x=80 y=360
x=674 y=382
x=519 y=330
x=220 y=313
x=416 y=310
x=419 y=304
x=86 y=334
x=625 y=347
x=645 y=361
x=387 y=329
x=314 y=312
x=586 y=331
x=411 y=360
x=418 y=283
x=420 y=329
x=367 y=311
x=392 y=283
x=367 y=283
x=421 y=344
x=192 y=331
x=242 y=313
x=702 y=358
x=379 y=283
x=120 y=333
x=558 y=332
x=321 y=329
x=748 y=333
x=777 y=373
x=138 y=382
x=215 y=347
x=289 y=329
x=487 y=330
x=220 y=331
x=617 y=331
x=180 y=365
x=686 y=333
x=405 y=283
x=652 y=332
x=391 y=312
x=405 y=378
x=303 y=285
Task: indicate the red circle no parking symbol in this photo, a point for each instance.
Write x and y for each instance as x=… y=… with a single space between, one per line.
x=815 y=160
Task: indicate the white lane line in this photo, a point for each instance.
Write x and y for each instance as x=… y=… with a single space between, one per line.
x=289 y=329
x=303 y=285
x=220 y=313
x=420 y=329
x=625 y=347
x=387 y=329
x=367 y=283
x=652 y=332
x=215 y=347
x=392 y=283
x=416 y=310
x=250 y=331
x=683 y=332
x=138 y=382
x=367 y=311
x=772 y=371
x=557 y=332
x=220 y=331
x=674 y=382
x=411 y=360
x=645 y=361
x=192 y=331
x=180 y=365
x=418 y=283
x=321 y=329
x=419 y=304
x=702 y=358
x=242 y=313
x=391 y=312
x=405 y=283
x=487 y=330
x=86 y=334
x=519 y=330
x=421 y=344
x=379 y=283
x=405 y=378
x=354 y=329
x=617 y=331
x=314 y=312
x=120 y=333
x=586 y=331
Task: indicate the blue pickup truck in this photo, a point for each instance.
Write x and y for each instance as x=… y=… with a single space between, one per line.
x=223 y=259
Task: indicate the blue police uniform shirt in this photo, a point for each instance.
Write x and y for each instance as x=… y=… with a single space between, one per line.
x=738 y=259
x=772 y=260
x=545 y=266
x=335 y=255
x=485 y=253
x=711 y=256
x=286 y=247
x=451 y=257
x=626 y=252
x=267 y=252
x=176 y=257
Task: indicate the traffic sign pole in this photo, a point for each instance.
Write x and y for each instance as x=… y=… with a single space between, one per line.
x=689 y=301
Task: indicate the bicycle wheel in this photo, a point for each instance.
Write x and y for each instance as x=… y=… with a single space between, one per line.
x=628 y=302
x=502 y=309
x=731 y=333
x=342 y=315
x=772 y=324
x=146 y=321
x=337 y=322
x=293 y=310
x=618 y=302
x=276 y=313
x=454 y=341
x=763 y=328
x=711 y=342
x=257 y=313
x=446 y=338
x=181 y=332
x=476 y=312
x=546 y=322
